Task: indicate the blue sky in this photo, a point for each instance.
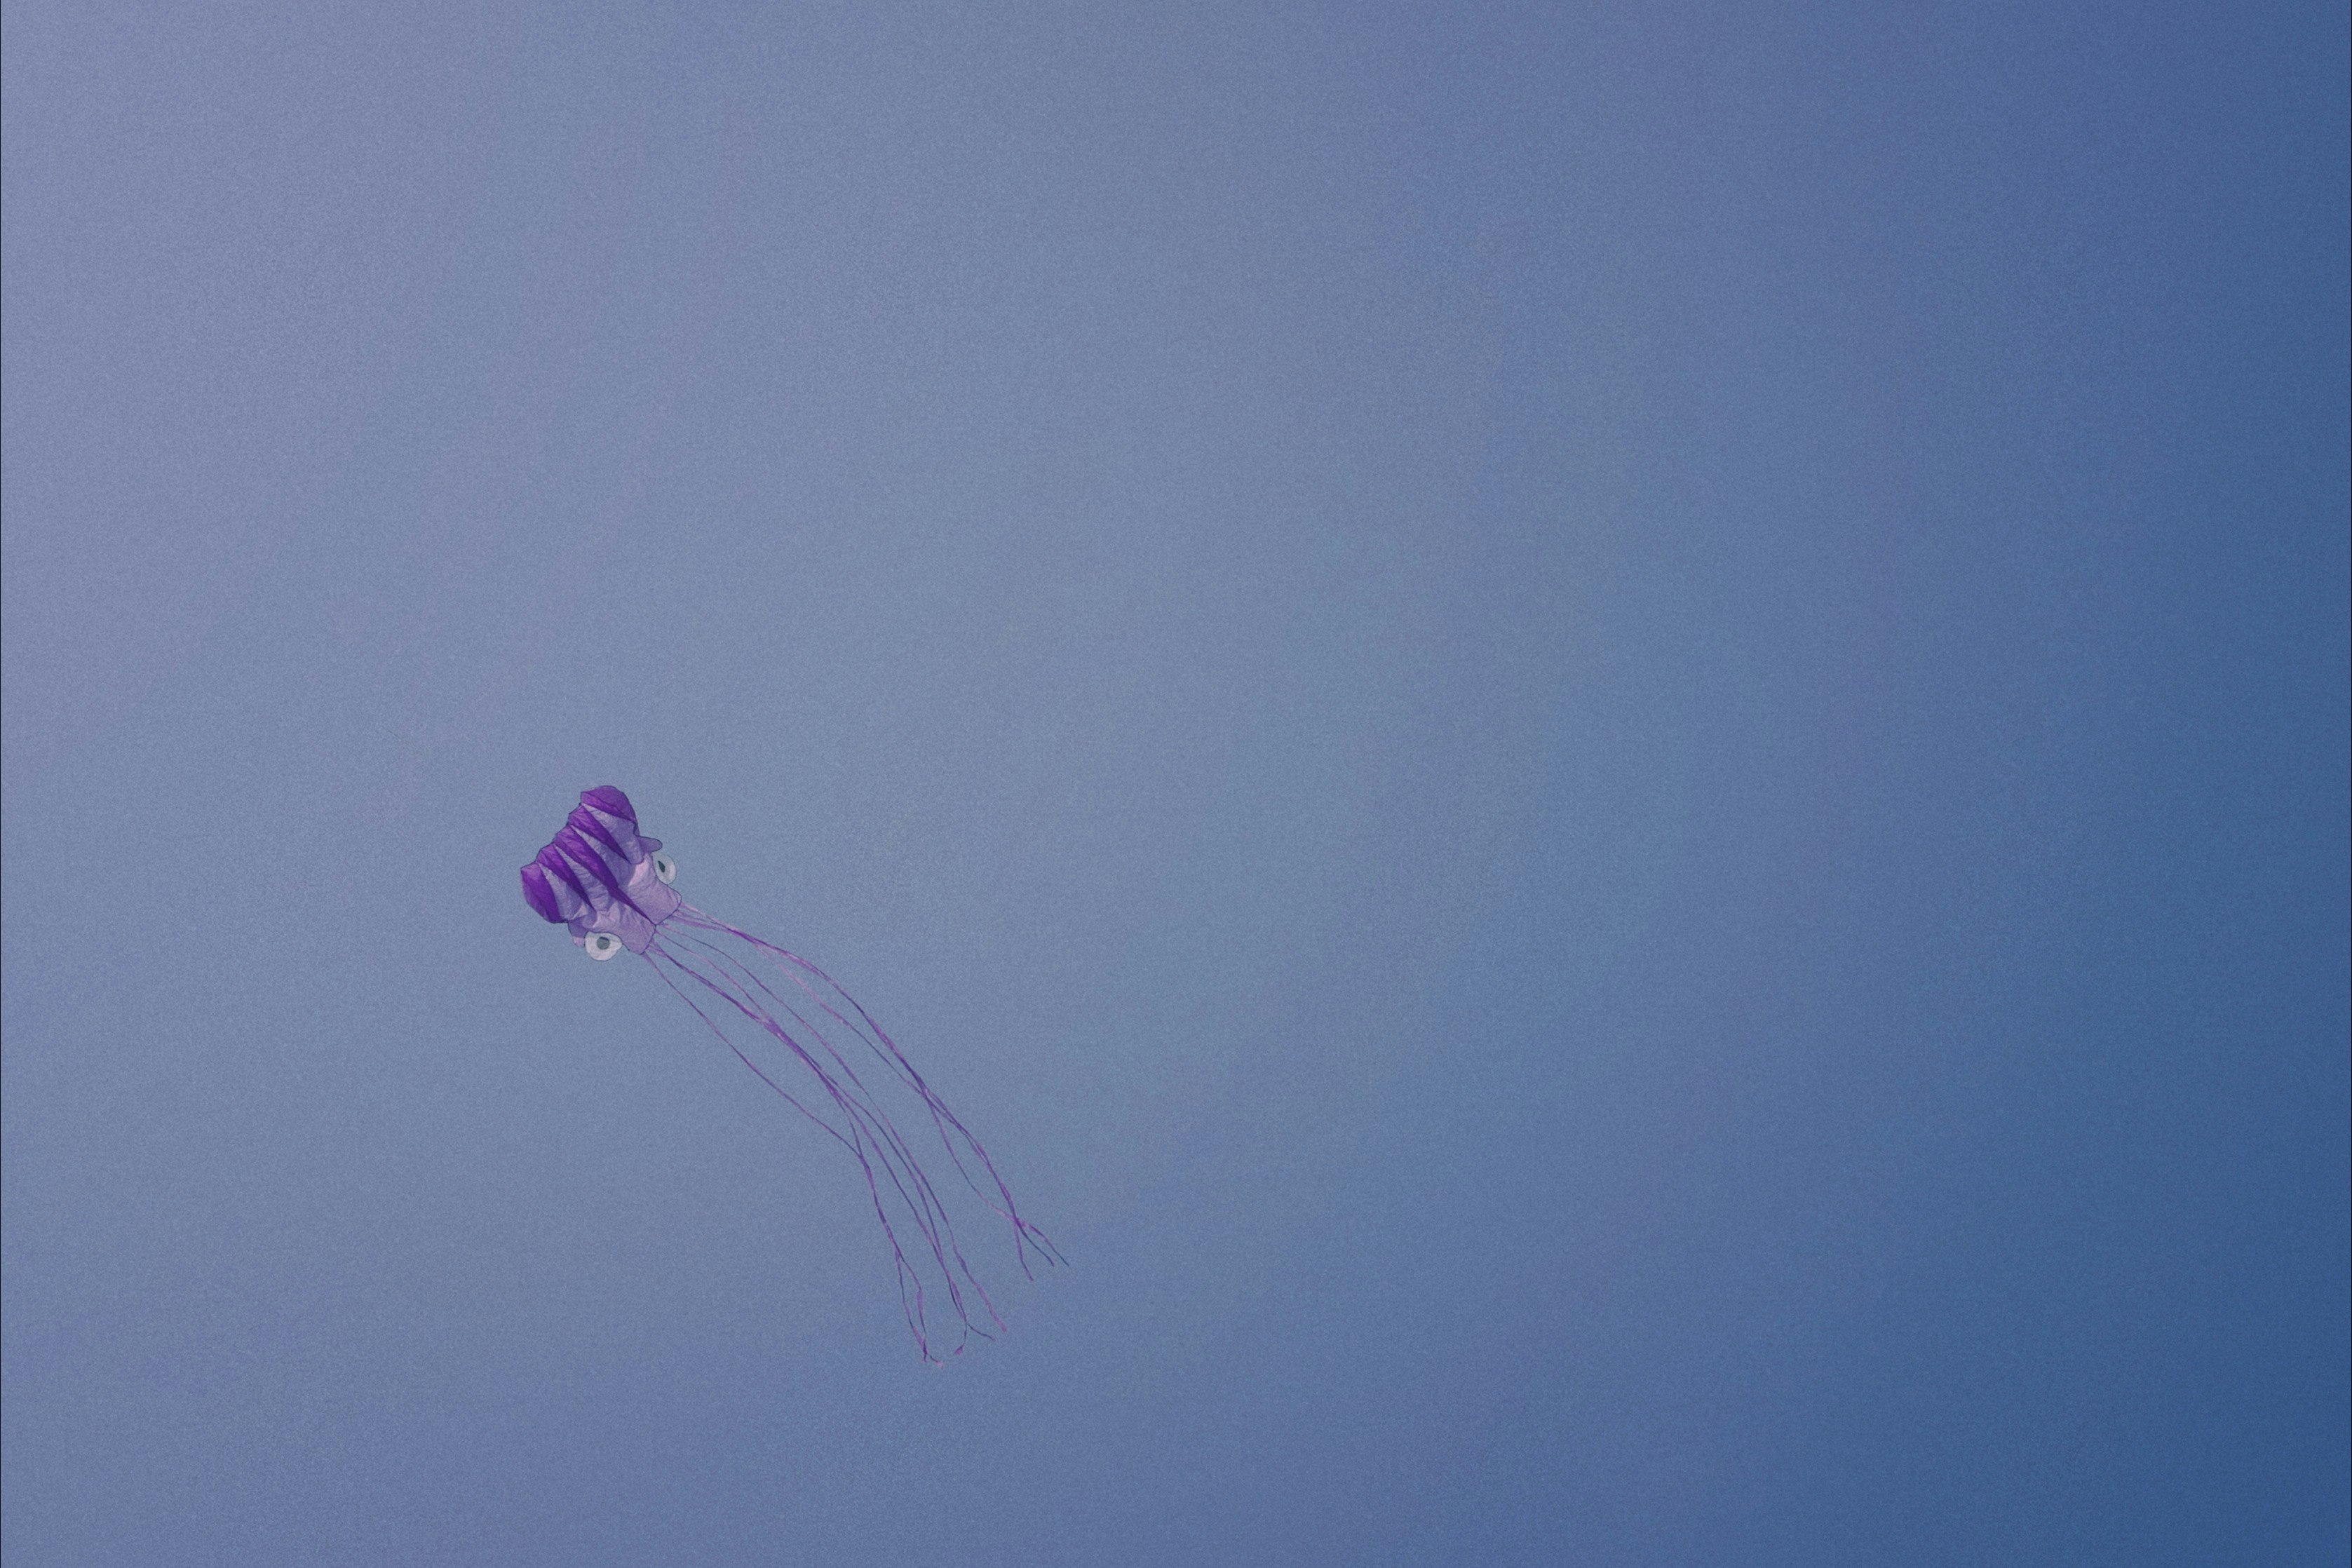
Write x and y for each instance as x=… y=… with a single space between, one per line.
x=1609 y=746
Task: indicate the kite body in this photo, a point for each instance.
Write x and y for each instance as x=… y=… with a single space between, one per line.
x=601 y=877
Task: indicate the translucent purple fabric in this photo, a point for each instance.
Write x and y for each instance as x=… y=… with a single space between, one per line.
x=597 y=874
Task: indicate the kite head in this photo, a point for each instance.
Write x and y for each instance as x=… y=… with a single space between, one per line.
x=602 y=879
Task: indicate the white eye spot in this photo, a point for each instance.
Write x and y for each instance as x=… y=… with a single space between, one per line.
x=603 y=945
x=666 y=869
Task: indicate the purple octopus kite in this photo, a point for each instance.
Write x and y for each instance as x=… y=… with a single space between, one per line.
x=611 y=885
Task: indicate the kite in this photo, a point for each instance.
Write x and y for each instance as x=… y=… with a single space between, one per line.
x=611 y=886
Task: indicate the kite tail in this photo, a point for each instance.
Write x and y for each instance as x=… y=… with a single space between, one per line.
x=821 y=991
x=896 y=1181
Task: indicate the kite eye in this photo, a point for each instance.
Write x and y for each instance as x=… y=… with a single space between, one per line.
x=666 y=869
x=603 y=945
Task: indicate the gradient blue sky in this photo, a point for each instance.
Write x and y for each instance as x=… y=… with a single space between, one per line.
x=1609 y=743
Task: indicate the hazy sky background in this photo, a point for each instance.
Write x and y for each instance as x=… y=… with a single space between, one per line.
x=1609 y=743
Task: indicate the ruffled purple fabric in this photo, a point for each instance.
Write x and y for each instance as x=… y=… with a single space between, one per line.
x=597 y=874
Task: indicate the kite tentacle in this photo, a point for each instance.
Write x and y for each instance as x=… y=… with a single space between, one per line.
x=870 y=1141
x=799 y=971
x=915 y=1186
